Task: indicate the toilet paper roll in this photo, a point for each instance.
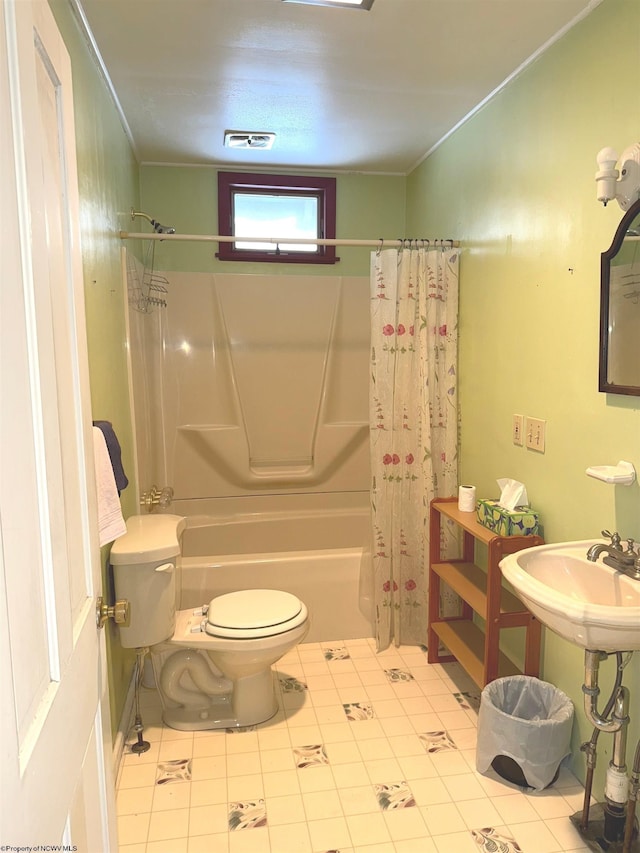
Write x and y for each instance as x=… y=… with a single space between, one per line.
x=467 y=498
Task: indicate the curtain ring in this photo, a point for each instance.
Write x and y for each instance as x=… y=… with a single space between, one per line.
x=380 y=245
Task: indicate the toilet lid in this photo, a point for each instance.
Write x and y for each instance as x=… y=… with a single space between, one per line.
x=252 y=613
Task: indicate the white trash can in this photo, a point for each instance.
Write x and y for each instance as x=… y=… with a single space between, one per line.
x=524 y=730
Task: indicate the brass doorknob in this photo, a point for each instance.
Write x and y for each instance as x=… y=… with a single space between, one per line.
x=120 y=612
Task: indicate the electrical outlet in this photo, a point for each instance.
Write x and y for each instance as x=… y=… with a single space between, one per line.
x=517 y=430
x=534 y=430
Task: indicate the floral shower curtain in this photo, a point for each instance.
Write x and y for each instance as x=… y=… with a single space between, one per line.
x=414 y=426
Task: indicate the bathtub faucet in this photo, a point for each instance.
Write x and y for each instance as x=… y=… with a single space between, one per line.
x=156 y=497
x=622 y=561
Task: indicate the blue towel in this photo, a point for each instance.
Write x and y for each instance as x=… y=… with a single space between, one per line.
x=115 y=454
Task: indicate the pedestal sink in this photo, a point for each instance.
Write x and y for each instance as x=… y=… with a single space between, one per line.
x=587 y=603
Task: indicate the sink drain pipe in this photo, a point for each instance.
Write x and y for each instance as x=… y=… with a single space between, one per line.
x=634 y=795
x=617 y=783
x=590 y=747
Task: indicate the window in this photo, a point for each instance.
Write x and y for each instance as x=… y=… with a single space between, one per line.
x=287 y=206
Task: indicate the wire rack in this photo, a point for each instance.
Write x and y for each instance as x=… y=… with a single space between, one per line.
x=146 y=291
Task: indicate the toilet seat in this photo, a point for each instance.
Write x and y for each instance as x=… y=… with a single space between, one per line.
x=253 y=613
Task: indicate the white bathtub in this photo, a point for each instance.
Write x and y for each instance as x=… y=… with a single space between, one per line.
x=317 y=551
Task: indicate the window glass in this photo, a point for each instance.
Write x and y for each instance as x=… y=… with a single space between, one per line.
x=268 y=215
x=274 y=206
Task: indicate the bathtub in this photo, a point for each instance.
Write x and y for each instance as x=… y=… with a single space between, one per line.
x=313 y=546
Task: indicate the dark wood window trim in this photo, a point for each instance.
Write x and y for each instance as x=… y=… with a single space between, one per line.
x=323 y=188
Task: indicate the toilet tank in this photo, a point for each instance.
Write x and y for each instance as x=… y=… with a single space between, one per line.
x=144 y=563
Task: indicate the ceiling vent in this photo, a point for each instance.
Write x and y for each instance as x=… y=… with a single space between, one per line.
x=346 y=4
x=243 y=139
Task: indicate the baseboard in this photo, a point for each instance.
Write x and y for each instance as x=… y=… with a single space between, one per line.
x=124 y=728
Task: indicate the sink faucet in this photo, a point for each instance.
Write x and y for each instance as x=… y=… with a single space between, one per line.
x=627 y=561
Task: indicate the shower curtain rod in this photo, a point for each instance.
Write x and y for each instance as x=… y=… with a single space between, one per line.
x=220 y=238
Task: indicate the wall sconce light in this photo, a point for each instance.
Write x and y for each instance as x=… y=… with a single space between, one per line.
x=622 y=184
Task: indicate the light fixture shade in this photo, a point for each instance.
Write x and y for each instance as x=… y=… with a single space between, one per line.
x=345 y=4
x=622 y=184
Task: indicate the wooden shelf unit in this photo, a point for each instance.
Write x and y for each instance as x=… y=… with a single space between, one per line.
x=482 y=593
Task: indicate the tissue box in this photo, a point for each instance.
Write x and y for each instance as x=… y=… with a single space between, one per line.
x=520 y=521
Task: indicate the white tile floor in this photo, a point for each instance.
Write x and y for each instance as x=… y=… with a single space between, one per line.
x=370 y=753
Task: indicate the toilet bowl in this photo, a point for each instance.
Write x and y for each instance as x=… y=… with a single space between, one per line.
x=212 y=681
x=212 y=665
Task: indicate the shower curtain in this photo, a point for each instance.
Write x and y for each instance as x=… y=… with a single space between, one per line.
x=414 y=427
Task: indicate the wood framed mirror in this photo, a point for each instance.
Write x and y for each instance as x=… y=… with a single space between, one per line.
x=620 y=309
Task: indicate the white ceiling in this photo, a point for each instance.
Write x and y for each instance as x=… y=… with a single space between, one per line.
x=343 y=89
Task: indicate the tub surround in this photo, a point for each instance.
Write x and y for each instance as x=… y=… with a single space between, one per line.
x=275 y=524
x=236 y=402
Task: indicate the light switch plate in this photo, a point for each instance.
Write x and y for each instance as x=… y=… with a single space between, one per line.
x=535 y=434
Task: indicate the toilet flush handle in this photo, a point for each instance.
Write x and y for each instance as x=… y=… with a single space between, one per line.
x=165 y=567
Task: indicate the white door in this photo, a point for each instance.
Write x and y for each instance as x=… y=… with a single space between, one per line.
x=57 y=786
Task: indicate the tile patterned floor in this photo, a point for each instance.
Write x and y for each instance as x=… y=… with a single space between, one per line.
x=369 y=753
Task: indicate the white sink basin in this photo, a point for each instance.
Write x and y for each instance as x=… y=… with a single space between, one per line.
x=588 y=603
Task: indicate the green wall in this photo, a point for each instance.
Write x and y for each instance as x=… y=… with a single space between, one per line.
x=367 y=207
x=516 y=184
x=108 y=183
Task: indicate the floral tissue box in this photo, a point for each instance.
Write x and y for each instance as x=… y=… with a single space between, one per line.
x=520 y=521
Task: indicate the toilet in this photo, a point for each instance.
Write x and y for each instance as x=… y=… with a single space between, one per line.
x=212 y=664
